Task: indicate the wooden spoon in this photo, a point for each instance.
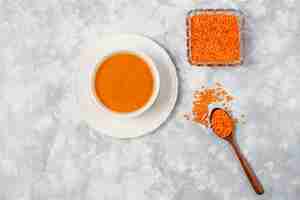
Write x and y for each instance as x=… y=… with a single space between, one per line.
x=230 y=138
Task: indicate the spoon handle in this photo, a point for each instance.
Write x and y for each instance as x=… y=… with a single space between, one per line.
x=256 y=184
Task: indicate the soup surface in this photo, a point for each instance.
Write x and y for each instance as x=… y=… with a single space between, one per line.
x=124 y=82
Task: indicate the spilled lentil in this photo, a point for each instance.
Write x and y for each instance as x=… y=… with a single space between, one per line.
x=204 y=98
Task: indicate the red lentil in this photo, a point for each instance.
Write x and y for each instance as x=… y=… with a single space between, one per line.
x=214 y=38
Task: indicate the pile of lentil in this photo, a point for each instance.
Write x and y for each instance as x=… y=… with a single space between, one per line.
x=206 y=96
x=214 y=38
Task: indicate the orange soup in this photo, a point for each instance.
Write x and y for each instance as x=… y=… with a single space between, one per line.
x=124 y=82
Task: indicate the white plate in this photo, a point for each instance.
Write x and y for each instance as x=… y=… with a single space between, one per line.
x=108 y=123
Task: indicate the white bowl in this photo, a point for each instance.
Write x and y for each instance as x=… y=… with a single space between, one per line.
x=153 y=97
x=132 y=127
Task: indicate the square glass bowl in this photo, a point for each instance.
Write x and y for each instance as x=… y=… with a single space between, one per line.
x=214 y=37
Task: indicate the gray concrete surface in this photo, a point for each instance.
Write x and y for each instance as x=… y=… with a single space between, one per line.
x=48 y=153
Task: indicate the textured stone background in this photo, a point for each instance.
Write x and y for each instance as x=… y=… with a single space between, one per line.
x=48 y=152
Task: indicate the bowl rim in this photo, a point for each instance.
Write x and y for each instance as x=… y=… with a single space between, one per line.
x=148 y=104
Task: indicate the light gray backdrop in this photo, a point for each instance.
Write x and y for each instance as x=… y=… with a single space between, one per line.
x=48 y=153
